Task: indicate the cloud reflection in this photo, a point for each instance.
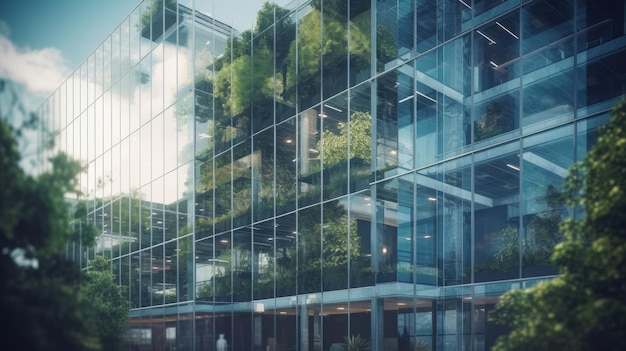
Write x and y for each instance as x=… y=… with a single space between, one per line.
x=39 y=71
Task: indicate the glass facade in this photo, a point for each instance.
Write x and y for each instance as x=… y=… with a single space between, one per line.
x=383 y=169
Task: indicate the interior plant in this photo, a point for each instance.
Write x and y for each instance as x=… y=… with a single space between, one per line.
x=355 y=343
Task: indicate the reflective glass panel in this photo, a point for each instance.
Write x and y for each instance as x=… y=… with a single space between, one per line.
x=496 y=213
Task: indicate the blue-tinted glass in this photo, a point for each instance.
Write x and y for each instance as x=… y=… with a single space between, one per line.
x=286 y=166
x=487 y=9
x=360 y=40
x=222 y=192
x=335 y=47
x=334 y=145
x=496 y=213
x=309 y=162
x=205 y=265
x=242 y=261
x=454 y=201
x=338 y=241
x=309 y=250
x=263 y=163
x=394 y=33
x=360 y=225
x=361 y=133
x=262 y=258
x=545 y=160
x=286 y=251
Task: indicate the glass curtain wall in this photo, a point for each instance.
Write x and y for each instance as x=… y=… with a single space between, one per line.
x=333 y=171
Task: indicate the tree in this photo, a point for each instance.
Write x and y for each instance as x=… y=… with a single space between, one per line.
x=325 y=36
x=335 y=146
x=110 y=306
x=39 y=292
x=584 y=308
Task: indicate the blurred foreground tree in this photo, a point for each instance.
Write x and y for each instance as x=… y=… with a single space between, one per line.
x=39 y=289
x=584 y=308
x=110 y=306
x=43 y=301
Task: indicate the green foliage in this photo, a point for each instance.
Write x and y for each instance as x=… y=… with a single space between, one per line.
x=536 y=250
x=110 y=306
x=338 y=236
x=34 y=212
x=508 y=255
x=84 y=232
x=245 y=81
x=545 y=225
x=332 y=46
x=357 y=133
x=42 y=294
x=386 y=46
x=39 y=292
x=155 y=9
x=493 y=121
x=584 y=308
x=355 y=343
x=245 y=78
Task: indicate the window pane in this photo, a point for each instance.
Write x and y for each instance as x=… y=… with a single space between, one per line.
x=496 y=213
x=546 y=157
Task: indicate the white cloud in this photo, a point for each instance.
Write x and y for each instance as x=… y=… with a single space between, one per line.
x=39 y=71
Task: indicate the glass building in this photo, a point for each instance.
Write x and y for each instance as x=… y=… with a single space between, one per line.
x=377 y=170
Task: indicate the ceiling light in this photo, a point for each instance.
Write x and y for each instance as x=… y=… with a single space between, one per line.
x=507 y=30
x=333 y=108
x=491 y=41
x=405 y=99
x=425 y=96
x=513 y=167
x=466 y=5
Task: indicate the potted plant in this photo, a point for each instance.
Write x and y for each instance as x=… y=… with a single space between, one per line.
x=355 y=343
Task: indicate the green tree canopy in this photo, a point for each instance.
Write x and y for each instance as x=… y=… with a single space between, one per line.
x=41 y=293
x=357 y=133
x=39 y=290
x=110 y=306
x=584 y=308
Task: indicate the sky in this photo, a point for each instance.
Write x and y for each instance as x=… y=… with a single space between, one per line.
x=43 y=41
